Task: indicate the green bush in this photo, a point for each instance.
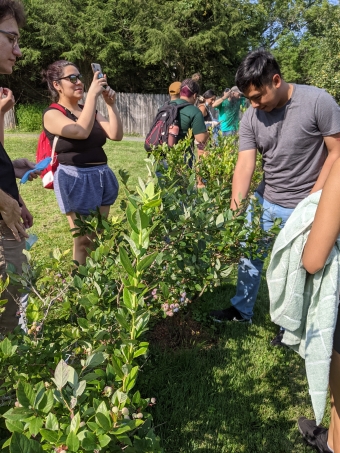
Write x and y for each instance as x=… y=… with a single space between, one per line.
x=29 y=117
x=171 y=244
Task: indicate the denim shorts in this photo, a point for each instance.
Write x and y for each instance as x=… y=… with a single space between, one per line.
x=83 y=190
x=336 y=341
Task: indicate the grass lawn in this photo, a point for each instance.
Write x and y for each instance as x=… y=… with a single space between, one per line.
x=230 y=395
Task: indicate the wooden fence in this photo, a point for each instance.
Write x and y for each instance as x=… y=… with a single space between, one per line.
x=136 y=110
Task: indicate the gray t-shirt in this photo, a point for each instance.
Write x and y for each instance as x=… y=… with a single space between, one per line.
x=290 y=140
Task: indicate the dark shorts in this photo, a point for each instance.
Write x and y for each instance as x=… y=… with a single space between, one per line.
x=83 y=190
x=336 y=343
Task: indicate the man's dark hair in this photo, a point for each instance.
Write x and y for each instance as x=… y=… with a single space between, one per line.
x=258 y=69
x=12 y=8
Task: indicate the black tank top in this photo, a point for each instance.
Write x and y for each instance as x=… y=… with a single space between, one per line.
x=80 y=153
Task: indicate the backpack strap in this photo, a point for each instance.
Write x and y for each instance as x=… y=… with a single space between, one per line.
x=56 y=106
x=62 y=110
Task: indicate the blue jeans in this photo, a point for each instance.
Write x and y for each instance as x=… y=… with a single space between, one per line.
x=249 y=271
x=227 y=133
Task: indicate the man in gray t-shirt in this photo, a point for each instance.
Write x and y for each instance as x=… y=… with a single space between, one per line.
x=296 y=128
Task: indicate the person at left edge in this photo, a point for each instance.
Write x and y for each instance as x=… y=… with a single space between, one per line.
x=83 y=181
x=14 y=215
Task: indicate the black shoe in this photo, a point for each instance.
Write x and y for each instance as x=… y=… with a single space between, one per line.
x=315 y=436
x=228 y=314
x=277 y=341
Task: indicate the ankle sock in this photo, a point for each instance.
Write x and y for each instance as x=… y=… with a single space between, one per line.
x=330 y=448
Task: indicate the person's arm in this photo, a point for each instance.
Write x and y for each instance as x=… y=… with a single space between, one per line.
x=113 y=126
x=332 y=143
x=58 y=124
x=11 y=215
x=202 y=109
x=21 y=166
x=26 y=216
x=219 y=101
x=201 y=140
x=243 y=174
x=326 y=225
x=7 y=101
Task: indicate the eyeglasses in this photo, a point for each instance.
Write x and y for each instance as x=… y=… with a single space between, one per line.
x=73 y=78
x=14 y=39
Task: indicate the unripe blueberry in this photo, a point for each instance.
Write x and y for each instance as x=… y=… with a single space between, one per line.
x=126 y=417
x=153 y=400
x=29 y=331
x=125 y=411
x=115 y=410
x=38 y=328
x=139 y=415
x=81 y=424
x=107 y=391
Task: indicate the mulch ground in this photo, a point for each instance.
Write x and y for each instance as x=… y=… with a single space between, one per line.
x=180 y=331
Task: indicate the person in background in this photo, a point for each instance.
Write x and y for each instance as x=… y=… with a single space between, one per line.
x=296 y=128
x=321 y=239
x=190 y=117
x=174 y=90
x=204 y=102
x=83 y=181
x=14 y=215
x=228 y=107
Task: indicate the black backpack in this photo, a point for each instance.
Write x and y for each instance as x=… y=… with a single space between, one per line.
x=159 y=132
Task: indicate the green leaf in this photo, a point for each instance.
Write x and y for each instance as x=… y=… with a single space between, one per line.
x=220 y=220
x=52 y=422
x=25 y=394
x=104 y=440
x=104 y=421
x=81 y=387
x=72 y=441
x=95 y=359
x=117 y=366
x=83 y=323
x=61 y=374
x=14 y=426
x=7 y=348
x=89 y=443
x=126 y=263
x=21 y=444
x=20 y=413
x=122 y=321
x=131 y=379
x=50 y=436
x=127 y=299
x=35 y=425
x=46 y=404
x=78 y=282
x=142 y=220
x=226 y=272
x=75 y=422
x=140 y=352
x=72 y=376
x=146 y=261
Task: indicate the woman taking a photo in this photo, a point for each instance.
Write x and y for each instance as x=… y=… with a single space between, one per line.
x=83 y=181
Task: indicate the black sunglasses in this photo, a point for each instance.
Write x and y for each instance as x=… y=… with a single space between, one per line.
x=73 y=78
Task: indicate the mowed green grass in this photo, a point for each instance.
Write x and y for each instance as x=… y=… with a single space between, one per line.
x=236 y=395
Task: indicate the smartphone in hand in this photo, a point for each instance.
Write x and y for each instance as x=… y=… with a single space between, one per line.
x=96 y=67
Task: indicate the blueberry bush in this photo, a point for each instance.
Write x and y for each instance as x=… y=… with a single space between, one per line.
x=69 y=381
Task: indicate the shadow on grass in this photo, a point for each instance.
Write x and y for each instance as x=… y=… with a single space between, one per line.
x=240 y=395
